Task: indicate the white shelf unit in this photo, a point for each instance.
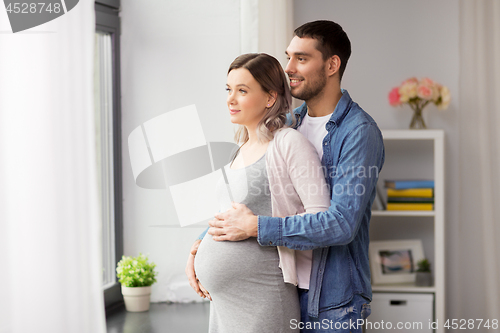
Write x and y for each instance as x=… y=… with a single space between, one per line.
x=416 y=154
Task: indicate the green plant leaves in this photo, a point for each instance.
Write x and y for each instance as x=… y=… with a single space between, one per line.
x=136 y=271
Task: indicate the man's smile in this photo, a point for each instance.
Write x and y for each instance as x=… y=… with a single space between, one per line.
x=295 y=82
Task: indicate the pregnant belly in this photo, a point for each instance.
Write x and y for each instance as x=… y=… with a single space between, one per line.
x=226 y=266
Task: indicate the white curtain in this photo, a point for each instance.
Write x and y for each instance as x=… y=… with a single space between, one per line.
x=51 y=270
x=478 y=268
x=266 y=26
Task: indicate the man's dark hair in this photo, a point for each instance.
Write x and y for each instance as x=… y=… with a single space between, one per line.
x=332 y=40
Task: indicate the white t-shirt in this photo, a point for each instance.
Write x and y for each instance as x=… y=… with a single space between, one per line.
x=314 y=129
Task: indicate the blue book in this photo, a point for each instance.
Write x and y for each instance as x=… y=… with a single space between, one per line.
x=406 y=184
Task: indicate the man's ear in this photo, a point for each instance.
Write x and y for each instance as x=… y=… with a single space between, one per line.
x=271 y=99
x=333 y=65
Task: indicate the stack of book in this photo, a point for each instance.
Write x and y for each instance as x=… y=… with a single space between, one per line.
x=410 y=194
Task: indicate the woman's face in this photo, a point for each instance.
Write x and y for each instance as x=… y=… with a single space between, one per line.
x=246 y=100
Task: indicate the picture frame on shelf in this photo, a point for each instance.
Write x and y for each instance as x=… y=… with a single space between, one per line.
x=395 y=261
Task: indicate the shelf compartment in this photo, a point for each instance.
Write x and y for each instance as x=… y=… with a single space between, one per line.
x=402 y=288
x=403 y=213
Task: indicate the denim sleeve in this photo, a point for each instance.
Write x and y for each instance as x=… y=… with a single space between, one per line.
x=353 y=181
x=200 y=237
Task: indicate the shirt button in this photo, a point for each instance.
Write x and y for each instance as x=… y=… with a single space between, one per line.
x=326 y=143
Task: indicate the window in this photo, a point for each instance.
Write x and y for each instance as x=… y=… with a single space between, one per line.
x=103 y=100
x=108 y=141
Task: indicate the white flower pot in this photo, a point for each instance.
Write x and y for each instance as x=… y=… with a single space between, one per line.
x=136 y=298
x=423 y=279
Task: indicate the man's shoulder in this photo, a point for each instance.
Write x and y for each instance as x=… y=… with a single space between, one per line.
x=357 y=116
x=357 y=119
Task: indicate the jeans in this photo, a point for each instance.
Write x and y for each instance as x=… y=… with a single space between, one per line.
x=346 y=319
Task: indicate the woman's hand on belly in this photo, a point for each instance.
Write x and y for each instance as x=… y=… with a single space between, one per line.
x=191 y=274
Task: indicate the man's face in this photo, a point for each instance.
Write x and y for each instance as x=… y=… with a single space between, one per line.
x=306 y=68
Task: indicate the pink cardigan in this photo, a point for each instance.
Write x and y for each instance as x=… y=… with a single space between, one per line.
x=297 y=185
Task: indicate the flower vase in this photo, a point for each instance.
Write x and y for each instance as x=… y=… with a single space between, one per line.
x=417 y=122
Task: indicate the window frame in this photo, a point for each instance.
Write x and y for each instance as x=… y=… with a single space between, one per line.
x=107 y=20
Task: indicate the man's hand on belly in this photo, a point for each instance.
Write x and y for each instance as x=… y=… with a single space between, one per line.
x=236 y=224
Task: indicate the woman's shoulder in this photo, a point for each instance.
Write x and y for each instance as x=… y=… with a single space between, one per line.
x=289 y=135
x=289 y=142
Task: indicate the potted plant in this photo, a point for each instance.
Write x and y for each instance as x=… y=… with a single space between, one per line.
x=424 y=275
x=136 y=276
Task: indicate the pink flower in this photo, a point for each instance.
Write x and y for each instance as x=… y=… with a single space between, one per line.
x=412 y=80
x=427 y=82
x=424 y=92
x=394 y=97
x=428 y=90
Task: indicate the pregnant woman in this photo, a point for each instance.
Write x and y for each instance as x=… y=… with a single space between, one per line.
x=275 y=172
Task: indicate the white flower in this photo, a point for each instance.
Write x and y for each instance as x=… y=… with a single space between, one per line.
x=445 y=98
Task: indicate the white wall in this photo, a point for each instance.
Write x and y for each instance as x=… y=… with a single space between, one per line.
x=174 y=53
x=392 y=41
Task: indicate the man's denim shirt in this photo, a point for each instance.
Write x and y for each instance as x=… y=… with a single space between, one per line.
x=353 y=155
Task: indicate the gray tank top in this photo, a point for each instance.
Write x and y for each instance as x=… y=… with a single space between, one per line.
x=249 y=186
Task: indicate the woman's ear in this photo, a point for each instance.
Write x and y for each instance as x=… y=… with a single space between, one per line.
x=271 y=99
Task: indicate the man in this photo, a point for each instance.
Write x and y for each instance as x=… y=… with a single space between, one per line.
x=332 y=264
